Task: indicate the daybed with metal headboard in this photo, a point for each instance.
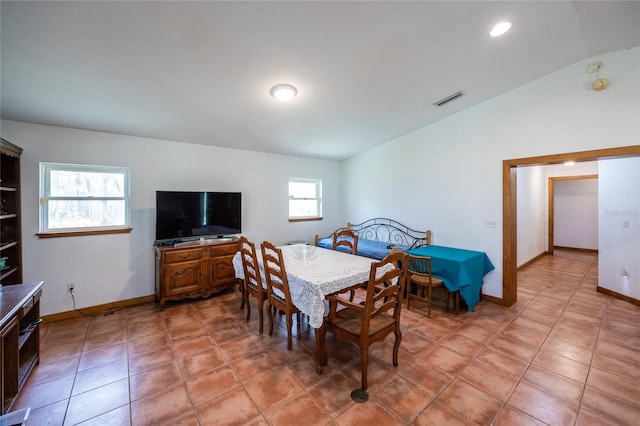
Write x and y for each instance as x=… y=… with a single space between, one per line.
x=377 y=237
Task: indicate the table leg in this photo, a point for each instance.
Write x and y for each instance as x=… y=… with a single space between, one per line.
x=320 y=354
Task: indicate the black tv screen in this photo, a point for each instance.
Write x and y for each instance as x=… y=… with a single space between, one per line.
x=184 y=215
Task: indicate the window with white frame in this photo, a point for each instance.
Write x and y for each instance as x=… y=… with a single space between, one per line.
x=79 y=198
x=305 y=198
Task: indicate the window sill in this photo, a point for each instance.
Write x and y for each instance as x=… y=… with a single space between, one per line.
x=83 y=233
x=304 y=219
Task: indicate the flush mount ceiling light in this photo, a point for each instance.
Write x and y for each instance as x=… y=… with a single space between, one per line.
x=500 y=29
x=599 y=83
x=283 y=92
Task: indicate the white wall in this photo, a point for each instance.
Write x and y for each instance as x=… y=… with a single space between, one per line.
x=532 y=212
x=448 y=176
x=108 y=268
x=619 y=225
x=533 y=204
x=578 y=169
x=575 y=208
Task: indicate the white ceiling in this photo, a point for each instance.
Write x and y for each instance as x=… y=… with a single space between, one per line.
x=366 y=72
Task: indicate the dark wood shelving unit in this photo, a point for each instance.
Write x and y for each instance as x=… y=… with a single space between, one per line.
x=19 y=338
x=10 y=218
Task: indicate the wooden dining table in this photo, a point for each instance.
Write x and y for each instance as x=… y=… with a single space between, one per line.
x=312 y=278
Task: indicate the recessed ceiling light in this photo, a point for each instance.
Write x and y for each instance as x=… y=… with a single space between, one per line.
x=283 y=92
x=500 y=29
x=569 y=163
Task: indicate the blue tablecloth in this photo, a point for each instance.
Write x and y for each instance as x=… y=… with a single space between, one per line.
x=459 y=269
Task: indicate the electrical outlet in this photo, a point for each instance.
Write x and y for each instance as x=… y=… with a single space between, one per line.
x=71 y=287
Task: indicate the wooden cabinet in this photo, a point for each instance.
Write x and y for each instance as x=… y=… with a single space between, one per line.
x=19 y=338
x=10 y=218
x=198 y=269
x=222 y=272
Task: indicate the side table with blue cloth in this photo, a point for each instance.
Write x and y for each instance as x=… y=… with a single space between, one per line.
x=460 y=269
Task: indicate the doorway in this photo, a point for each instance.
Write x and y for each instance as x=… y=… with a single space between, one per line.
x=552 y=205
x=509 y=206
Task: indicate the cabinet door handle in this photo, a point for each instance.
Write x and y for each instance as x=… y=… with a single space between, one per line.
x=184 y=256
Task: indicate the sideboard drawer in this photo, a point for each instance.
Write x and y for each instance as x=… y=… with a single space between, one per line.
x=183 y=255
x=225 y=249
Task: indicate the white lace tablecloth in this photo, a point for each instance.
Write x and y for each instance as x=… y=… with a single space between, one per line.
x=310 y=280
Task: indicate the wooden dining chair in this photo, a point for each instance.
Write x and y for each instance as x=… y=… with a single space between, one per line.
x=278 y=294
x=345 y=238
x=419 y=275
x=253 y=285
x=371 y=322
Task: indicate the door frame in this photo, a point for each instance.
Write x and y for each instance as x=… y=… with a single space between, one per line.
x=509 y=206
x=550 y=212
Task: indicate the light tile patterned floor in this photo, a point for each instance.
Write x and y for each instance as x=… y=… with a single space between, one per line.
x=563 y=355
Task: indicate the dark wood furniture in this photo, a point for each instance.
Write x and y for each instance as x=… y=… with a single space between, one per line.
x=10 y=218
x=278 y=294
x=20 y=338
x=253 y=285
x=194 y=270
x=364 y=324
x=349 y=240
x=345 y=238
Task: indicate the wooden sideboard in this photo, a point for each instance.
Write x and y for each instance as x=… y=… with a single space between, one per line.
x=193 y=270
x=19 y=336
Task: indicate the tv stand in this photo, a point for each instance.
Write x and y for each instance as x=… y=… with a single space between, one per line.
x=194 y=269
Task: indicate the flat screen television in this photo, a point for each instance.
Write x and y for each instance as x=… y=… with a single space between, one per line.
x=187 y=215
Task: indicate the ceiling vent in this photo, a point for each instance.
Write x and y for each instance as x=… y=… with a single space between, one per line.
x=448 y=99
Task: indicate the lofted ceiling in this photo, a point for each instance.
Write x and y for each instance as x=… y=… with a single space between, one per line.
x=366 y=72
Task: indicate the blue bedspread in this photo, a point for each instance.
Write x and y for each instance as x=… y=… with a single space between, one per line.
x=373 y=249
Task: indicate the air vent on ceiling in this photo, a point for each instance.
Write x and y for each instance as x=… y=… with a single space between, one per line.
x=448 y=99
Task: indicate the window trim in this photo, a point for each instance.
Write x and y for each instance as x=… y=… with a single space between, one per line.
x=305 y=219
x=84 y=233
x=318 y=198
x=45 y=189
